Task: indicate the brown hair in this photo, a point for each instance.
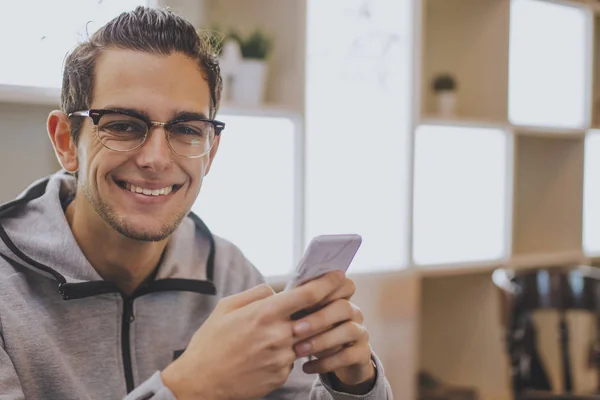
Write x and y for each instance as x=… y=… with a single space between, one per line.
x=151 y=30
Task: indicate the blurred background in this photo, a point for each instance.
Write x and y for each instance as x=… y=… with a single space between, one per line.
x=460 y=138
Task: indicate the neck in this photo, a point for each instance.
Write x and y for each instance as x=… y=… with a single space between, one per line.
x=116 y=258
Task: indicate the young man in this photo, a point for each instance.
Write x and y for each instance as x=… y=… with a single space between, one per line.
x=111 y=288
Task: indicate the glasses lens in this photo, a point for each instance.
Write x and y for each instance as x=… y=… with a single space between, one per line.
x=121 y=132
x=192 y=138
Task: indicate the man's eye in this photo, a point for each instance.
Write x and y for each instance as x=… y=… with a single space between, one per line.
x=181 y=129
x=123 y=127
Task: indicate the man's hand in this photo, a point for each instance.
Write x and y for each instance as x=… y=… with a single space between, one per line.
x=244 y=350
x=335 y=335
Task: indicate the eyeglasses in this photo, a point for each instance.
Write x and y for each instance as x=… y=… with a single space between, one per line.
x=123 y=130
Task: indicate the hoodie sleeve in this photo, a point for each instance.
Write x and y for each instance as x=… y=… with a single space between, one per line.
x=322 y=389
x=298 y=387
x=10 y=387
x=152 y=389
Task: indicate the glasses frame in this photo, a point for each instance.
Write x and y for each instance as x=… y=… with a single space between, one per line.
x=96 y=114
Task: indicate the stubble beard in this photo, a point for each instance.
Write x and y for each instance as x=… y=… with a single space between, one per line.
x=124 y=227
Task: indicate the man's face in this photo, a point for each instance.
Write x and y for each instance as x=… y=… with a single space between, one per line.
x=160 y=87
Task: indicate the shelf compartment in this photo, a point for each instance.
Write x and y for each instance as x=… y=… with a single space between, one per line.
x=469 y=40
x=548 y=195
x=244 y=186
x=549 y=71
x=461 y=197
x=461 y=332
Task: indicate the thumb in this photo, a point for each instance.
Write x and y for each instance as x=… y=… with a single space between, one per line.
x=249 y=296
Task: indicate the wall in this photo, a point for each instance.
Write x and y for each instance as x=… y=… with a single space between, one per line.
x=193 y=11
x=25 y=150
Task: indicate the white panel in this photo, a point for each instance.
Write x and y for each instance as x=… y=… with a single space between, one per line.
x=358 y=115
x=548 y=64
x=591 y=196
x=460 y=194
x=248 y=196
x=34 y=44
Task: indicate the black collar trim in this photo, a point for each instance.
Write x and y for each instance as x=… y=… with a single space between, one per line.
x=72 y=291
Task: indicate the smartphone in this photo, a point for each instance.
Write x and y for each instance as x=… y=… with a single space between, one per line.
x=324 y=254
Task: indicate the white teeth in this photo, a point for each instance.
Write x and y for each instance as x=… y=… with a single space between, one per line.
x=149 y=192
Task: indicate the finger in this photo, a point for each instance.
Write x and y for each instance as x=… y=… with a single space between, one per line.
x=344 y=335
x=346 y=291
x=308 y=295
x=331 y=315
x=328 y=352
x=249 y=296
x=348 y=357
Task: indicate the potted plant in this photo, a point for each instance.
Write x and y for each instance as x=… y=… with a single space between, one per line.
x=250 y=77
x=444 y=87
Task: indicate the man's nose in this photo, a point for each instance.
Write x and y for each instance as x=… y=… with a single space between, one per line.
x=155 y=154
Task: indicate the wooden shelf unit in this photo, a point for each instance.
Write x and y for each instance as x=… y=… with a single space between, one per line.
x=461 y=338
x=446 y=317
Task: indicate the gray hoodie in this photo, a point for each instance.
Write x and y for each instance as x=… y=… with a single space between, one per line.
x=65 y=333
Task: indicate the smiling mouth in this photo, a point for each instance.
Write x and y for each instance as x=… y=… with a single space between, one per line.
x=148 y=192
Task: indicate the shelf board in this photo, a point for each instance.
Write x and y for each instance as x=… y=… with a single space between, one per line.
x=548 y=259
x=525 y=261
x=464 y=121
x=29 y=95
x=263 y=110
x=549 y=132
x=592 y=258
x=454 y=269
x=51 y=96
x=572 y=3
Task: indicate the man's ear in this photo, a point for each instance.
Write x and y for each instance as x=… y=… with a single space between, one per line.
x=59 y=130
x=213 y=152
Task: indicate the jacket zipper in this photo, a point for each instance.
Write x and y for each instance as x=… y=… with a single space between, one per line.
x=128 y=318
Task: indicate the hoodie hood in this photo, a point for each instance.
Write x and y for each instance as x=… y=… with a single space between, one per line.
x=35 y=234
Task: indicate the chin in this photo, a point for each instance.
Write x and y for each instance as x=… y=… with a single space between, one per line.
x=145 y=229
x=133 y=224
x=143 y=235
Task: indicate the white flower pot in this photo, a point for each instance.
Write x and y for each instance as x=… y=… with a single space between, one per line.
x=249 y=83
x=446 y=103
x=229 y=61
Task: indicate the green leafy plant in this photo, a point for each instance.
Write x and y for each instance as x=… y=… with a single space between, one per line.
x=256 y=46
x=444 y=82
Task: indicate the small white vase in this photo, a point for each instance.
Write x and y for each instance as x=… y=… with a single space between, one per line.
x=249 y=83
x=446 y=103
x=229 y=61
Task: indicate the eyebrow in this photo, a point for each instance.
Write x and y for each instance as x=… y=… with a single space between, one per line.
x=179 y=115
x=187 y=115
